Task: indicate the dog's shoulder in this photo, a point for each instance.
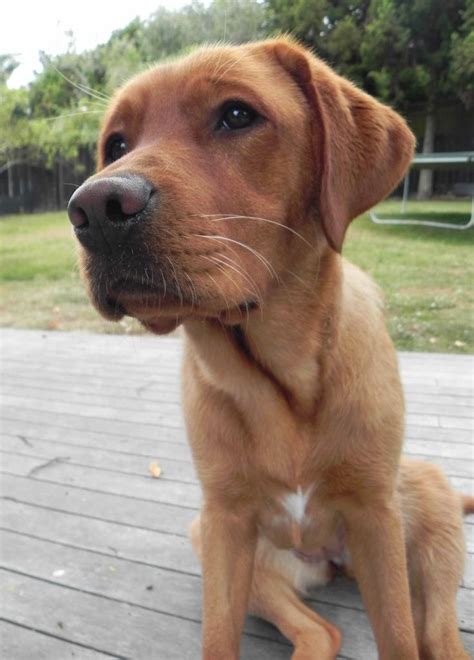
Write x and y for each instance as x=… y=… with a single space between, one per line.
x=361 y=295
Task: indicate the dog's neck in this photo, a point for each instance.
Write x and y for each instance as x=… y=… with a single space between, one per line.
x=285 y=343
x=290 y=338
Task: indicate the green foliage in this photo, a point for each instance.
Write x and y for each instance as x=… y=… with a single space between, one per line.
x=16 y=131
x=58 y=115
x=404 y=51
x=461 y=69
x=407 y=47
x=302 y=18
x=54 y=117
x=8 y=64
x=333 y=28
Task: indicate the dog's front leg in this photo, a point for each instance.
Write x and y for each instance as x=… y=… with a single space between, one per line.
x=376 y=542
x=228 y=551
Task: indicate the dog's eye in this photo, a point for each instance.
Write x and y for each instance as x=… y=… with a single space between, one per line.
x=115 y=148
x=236 y=115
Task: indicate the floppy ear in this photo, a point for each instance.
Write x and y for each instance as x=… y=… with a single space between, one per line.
x=362 y=148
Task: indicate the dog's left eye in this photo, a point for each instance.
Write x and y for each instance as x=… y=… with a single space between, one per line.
x=236 y=115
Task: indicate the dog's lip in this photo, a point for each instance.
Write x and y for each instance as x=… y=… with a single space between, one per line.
x=125 y=294
x=158 y=309
x=125 y=287
x=163 y=325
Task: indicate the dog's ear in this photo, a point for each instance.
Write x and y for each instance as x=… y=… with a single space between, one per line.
x=361 y=148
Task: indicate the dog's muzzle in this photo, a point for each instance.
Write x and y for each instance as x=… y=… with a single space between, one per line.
x=104 y=211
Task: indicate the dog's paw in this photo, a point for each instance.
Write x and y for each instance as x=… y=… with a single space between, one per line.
x=320 y=644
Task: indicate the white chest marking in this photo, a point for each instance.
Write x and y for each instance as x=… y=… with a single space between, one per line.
x=295 y=503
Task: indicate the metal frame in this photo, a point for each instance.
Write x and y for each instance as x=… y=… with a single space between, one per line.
x=434 y=161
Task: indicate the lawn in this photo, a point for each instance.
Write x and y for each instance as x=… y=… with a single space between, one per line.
x=426 y=275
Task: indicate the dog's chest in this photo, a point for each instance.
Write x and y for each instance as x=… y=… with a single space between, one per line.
x=298 y=519
x=295 y=503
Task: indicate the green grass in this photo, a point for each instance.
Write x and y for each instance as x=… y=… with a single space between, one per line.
x=426 y=275
x=40 y=285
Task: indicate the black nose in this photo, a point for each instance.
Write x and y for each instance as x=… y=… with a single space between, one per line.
x=103 y=211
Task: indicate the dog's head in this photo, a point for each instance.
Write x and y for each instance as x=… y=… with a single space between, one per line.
x=217 y=170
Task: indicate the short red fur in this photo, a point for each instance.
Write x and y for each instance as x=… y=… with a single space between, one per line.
x=292 y=396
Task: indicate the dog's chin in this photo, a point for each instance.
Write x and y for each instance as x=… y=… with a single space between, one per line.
x=163 y=321
x=162 y=325
x=161 y=317
x=153 y=313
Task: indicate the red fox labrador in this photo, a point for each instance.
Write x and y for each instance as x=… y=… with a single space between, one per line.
x=226 y=184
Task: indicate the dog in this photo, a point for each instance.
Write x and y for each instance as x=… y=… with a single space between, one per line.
x=226 y=182
x=433 y=527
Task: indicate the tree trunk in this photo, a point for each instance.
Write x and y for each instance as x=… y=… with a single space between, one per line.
x=10 y=179
x=21 y=179
x=425 y=182
x=60 y=183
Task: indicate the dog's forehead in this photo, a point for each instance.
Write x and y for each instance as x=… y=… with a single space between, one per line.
x=212 y=66
x=207 y=74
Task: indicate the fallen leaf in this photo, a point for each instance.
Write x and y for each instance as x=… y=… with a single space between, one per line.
x=155 y=470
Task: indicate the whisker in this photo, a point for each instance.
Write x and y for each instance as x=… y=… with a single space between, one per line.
x=235 y=267
x=193 y=290
x=298 y=278
x=164 y=282
x=75 y=114
x=258 y=295
x=83 y=88
x=256 y=254
x=226 y=67
x=223 y=271
x=220 y=289
x=217 y=217
x=180 y=293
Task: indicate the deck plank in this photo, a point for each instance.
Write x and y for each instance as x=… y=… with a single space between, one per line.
x=17 y=643
x=88 y=533
x=122 y=628
x=95 y=504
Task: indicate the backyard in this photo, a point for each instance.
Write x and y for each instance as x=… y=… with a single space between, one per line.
x=426 y=275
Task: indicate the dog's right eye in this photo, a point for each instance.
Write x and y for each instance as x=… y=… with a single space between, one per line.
x=115 y=148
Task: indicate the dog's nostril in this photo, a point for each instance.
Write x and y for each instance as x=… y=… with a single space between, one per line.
x=78 y=217
x=114 y=212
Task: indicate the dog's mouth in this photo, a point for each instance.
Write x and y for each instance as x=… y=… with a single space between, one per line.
x=161 y=308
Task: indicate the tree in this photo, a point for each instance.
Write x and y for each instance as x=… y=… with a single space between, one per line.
x=461 y=70
x=305 y=19
x=171 y=32
x=332 y=28
x=8 y=64
x=409 y=53
x=407 y=50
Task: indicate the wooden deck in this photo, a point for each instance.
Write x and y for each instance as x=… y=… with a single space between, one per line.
x=95 y=558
